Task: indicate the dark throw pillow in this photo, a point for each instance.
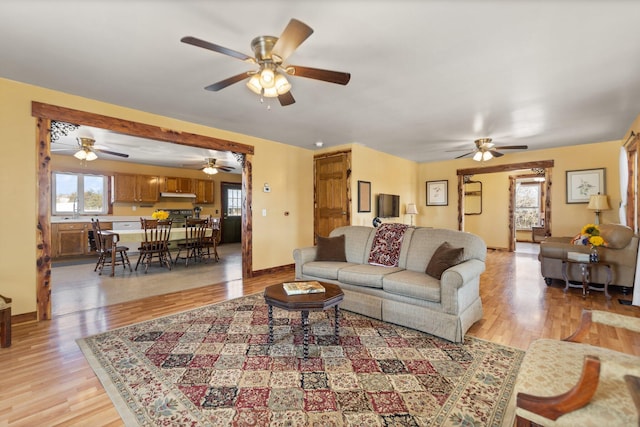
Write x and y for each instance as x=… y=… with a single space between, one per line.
x=444 y=257
x=331 y=249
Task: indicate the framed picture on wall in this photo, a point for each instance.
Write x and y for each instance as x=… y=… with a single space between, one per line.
x=437 y=193
x=581 y=184
x=364 y=196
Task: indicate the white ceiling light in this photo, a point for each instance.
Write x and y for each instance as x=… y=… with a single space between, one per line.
x=85 y=153
x=210 y=170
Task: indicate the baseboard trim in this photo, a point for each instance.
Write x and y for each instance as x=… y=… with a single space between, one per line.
x=24 y=318
x=273 y=270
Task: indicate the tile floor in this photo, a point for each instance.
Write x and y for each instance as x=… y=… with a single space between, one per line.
x=78 y=287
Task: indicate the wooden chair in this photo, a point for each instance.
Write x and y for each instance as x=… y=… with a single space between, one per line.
x=211 y=240
x=192 y=245
x=106 y=245
x=5 y=321
x=569 y=383
x=156 y=242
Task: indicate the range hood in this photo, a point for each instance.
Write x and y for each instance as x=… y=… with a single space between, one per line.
x=182 y=195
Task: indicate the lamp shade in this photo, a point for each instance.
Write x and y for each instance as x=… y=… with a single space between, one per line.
x=598 y=202
x=412 y=209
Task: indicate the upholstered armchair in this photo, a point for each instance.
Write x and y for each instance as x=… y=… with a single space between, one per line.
x=569 y=383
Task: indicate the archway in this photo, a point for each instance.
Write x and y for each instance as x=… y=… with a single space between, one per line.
x=45 y=113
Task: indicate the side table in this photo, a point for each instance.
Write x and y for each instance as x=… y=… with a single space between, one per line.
x=585 y=269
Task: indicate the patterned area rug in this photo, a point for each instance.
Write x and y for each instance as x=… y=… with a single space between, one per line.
x=213 y=366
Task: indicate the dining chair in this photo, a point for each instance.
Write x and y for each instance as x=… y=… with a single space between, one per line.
x=156 y=242
x=195 y=231
x=211 y=239
x=108 y=249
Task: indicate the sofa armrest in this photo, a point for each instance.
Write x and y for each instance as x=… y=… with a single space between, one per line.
x=462 y=273
x=302 y=256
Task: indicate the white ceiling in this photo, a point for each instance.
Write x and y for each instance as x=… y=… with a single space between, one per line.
x=426 y=76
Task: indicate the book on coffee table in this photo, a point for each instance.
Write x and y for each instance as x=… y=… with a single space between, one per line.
x=300 y=288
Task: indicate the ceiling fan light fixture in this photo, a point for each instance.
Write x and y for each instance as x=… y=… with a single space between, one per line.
x=254 y=84
x=487 y=155
x=270 y=92
x=478 y=156
x=282 y=84
x=209 y=170
x=80 y=155
x=267 y=77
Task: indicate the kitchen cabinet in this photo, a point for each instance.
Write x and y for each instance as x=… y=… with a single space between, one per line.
x=177 y=184
x=69 y=238
x=135 y=188
x=204 y=191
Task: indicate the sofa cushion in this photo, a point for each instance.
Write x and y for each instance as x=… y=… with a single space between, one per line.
x=324 y=269
x=386 y=246
x=358 y=240
x=331 y=249
x=617 y=236
x=444 y=257
x=412 y=284
x=365 y=275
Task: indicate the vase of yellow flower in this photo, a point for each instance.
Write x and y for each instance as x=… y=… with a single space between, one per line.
x=596 y=241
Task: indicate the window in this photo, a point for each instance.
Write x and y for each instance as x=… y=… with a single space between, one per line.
x=234 y=202
x=528 y=197
x=79 y=193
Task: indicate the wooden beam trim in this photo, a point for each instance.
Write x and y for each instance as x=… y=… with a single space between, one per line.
x=129 y=127
x=541 y=164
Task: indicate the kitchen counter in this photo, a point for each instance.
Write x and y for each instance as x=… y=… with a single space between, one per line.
x=87 y=218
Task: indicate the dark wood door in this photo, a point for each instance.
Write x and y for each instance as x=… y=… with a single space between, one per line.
x=332 y=208
x=231 y=222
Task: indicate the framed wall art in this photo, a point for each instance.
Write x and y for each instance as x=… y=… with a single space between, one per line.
x=437 y=193
x=364 y=196
x=581 y=184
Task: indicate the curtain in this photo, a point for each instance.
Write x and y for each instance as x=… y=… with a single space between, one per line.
x=624 y=182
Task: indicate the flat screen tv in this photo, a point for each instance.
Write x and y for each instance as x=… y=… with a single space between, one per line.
x=388 y=206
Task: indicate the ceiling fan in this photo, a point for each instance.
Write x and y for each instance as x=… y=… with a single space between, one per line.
x=87 y=150
x=270 y=55
x=486 y=150
x=210 y=167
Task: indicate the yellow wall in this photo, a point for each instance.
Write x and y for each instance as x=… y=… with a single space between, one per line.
x=386 y=173
x=288 y=169
x=566 y=219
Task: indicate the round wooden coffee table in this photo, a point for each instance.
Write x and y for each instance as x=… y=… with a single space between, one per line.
x=275 y=296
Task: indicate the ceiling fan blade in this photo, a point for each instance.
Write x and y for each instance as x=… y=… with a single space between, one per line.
x=496 y=153
x=228 y=82
x=217 y=48
x=512 y=147
x=464 y=155
x=224 y=168
x=113 y=153
x=293 y=35
x=286 y=99
x=337 y=77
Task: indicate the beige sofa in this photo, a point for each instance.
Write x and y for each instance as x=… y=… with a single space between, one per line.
x=405 y=294
x=621 y=253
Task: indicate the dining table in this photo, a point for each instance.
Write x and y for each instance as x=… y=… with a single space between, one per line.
x=129 y=236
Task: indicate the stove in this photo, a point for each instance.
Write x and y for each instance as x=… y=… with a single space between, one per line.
x=179 y=217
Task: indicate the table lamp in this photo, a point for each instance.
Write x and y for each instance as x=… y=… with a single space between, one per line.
x=412 y=210
x=598 y=202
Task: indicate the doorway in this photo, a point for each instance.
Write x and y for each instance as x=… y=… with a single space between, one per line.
x=540 y=168
x=45 y=113
x=231 y=219
x=332 y=185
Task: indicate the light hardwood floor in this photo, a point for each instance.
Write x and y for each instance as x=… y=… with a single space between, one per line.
x=45 y=379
